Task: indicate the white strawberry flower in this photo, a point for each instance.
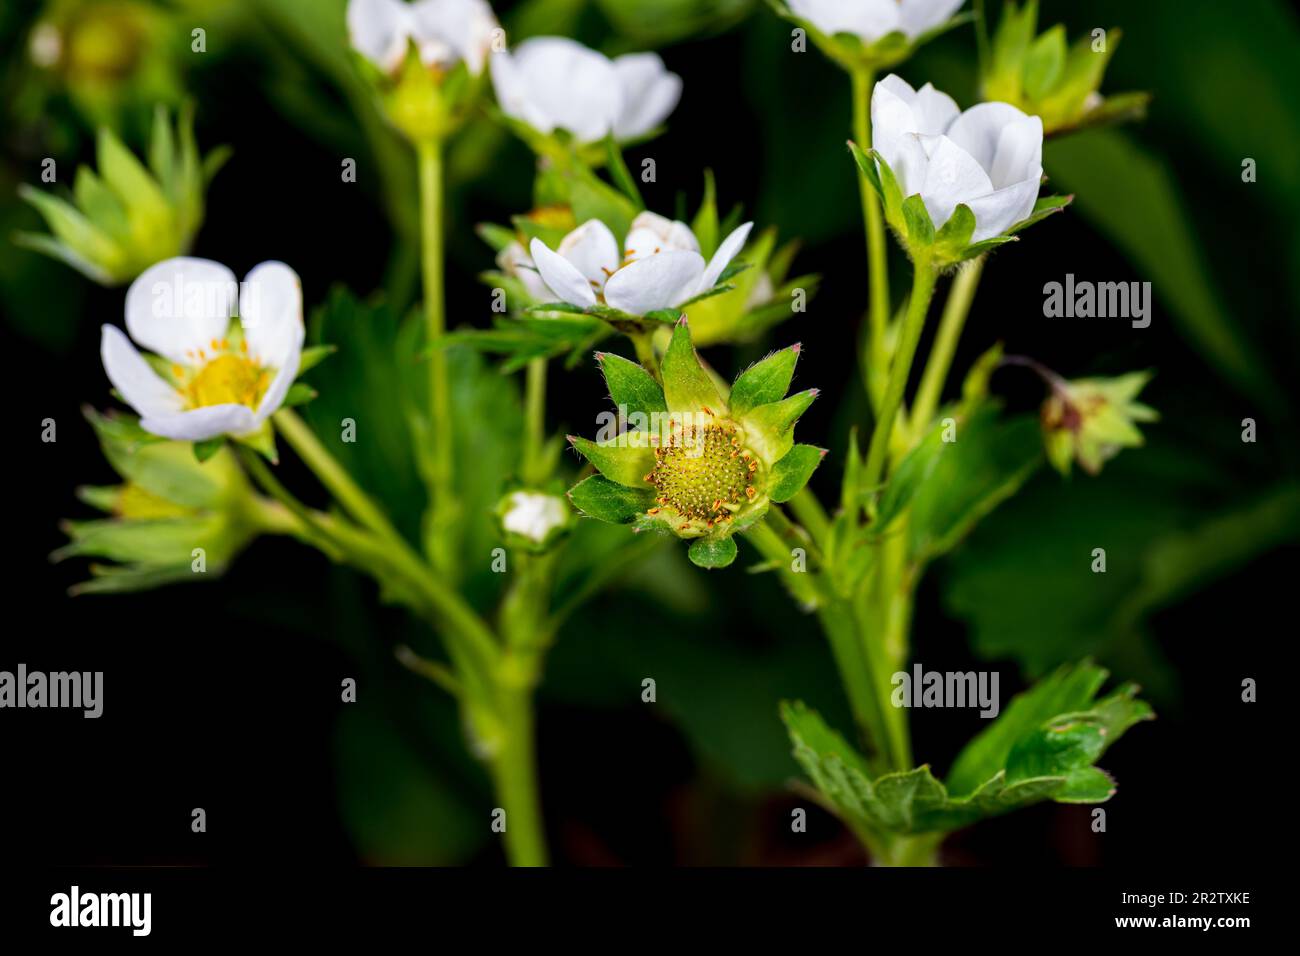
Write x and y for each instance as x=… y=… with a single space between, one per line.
x=989 y=158
x=554 y=83
x=869 y=20
x=660 y=267
x=211 y=379
x=445 y=32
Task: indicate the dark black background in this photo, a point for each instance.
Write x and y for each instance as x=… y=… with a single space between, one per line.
x=224 y=695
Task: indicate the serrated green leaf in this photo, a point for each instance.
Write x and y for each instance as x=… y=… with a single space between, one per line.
x=1033 y=752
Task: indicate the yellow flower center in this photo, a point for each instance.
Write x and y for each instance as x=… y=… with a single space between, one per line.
x=227 y=378
x=704 y=473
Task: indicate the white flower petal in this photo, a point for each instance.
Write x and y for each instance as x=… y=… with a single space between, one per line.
x=651 y=234
x=650 y=93
x=868 y=19
x=979 y=130
x=280 y=385
x=655 y=282
x=270 y=310
x=728 y=250
x=200 y=424
x=378 y=30
x=893 y=128
x=514 y=96
x=561 y=84
x=515 y=261
x=933 y=111
x=1019 y=154
x=132 y=376
x=448 y=31
x=564 y=280
x=1000 y=210
x=918 y=16
x=593 y=250
x=952 y=177
x=178 y=306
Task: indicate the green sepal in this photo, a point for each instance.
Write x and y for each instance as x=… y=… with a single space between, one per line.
x=953 y=239
x=687 y=386
x=920 y=228
x=313 y=355
x=705 y=223
x=300 y=393
x=630 y=385
x=765 y=381
x=712 y=552
x=791 y=473
x=203 y=450
x=619 y=172
x=261 y=441
x=626 y=459
x=1044 y=207
x=598 y=497
x=892 y=193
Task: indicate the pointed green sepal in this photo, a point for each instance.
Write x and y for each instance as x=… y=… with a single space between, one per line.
x=598 y=497
x=687 y=386
x=712 y=552
x=920 y=228
x=631 y=386
x=791 y=473
x=626 y=459
x=765 y=381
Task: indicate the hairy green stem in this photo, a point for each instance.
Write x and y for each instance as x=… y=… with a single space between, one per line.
x=923 y=280
x=440 y=544
x=873 y=220
x=955 y=311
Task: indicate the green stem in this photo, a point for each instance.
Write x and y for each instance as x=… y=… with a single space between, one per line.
x=773 y=547
x=534 y=419
x=955 y=311
x=514 y=772
x=811 y=515
x=442 y=492
x=862 y=684
x=332 y=475
x=873 y=219
x=386 y=548
x=923 y=279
